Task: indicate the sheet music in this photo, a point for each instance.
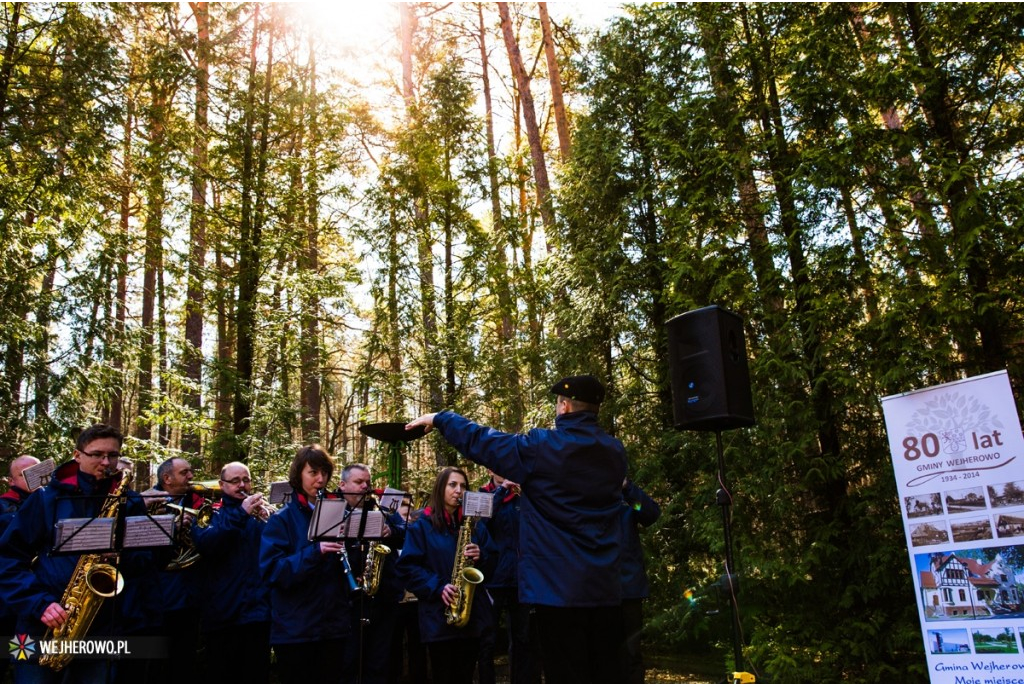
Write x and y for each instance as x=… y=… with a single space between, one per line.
x=329 y=522
x=280 y=492
x=391 y=499
x=374 y=524
x=477 y=504
x=38 y=475
x=149 y=531
x=84 y=535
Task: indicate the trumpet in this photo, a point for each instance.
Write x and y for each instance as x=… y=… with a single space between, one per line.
x=209 y=489
x=263 y=510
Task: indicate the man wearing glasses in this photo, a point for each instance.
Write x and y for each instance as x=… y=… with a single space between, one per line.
x=236 y=608
x=34 y=576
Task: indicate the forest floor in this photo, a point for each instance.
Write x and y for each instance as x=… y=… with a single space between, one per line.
x=683 y=668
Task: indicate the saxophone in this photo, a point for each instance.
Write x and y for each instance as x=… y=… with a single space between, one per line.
x=91 y=583
x=465 y=578
x=373 y=567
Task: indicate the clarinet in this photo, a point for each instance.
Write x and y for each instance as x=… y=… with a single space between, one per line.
x=346 y=567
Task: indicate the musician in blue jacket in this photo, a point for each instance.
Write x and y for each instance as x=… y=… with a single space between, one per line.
x=638 y=509
x=426 y=565
x=33 y=576
x=570 y=531
x=503 y=588
x=373 y=616
x=308 y=597
x=10 y=502
x=236 y=601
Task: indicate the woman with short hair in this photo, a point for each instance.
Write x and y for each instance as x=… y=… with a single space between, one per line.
x=309 y=601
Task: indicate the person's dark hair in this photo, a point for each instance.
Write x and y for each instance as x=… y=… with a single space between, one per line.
x=163 y=470
x=437 y=496
x=97 y=431
x=317 y=458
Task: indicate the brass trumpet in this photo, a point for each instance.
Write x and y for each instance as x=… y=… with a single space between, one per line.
x=209 y=489
x=264 y=510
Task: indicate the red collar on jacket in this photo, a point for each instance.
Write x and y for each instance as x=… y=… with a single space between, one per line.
x=427 y=511
x=491 y=487
x=304 y=501
x=68 y=473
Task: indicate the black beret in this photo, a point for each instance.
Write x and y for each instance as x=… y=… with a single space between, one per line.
x=583 y=388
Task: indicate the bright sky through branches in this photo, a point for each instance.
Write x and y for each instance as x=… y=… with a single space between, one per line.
x=368 y=24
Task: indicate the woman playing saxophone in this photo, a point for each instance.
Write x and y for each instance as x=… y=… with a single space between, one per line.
x=428 y=559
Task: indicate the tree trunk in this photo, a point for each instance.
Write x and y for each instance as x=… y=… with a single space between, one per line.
x=121 y=251
x=965 y=206
x=310 y=343
x=555 y=79
x=540 y=170
x=730 y=121
x=424 y=242
x=153 y=229
x=192 y=354
x=249 y=247
x=8 y=64
x=43 y=320
x=780 y=161
x=513 y=421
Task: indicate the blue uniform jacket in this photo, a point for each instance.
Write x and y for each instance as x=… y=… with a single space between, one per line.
x=503 y=525
x=234 y=592
x=637 y=510
x=308 y=595
x=571 y=479
x=27 y=588
x=10 y=502
x=180 y=589
x=426 y=567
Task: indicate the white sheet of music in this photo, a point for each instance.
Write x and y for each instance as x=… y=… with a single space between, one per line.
x=149 y=531
x=374 y=524
x=38 y=475
x=84 y=535
x=391 y=499
x=329 y=522
x=477 y=504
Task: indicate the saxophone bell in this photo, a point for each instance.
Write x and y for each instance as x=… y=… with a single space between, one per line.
x=92 y=582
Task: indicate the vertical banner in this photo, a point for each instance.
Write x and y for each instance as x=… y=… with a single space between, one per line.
x=958 y=455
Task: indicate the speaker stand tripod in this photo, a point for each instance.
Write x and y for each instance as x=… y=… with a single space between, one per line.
x=729 y=583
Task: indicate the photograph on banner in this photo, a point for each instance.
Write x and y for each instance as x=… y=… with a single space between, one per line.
x=958 y=458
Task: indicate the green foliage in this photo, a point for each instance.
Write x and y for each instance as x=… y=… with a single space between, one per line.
x=844 y=176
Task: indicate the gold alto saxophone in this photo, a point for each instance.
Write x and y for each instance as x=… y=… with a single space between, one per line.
x=465 y=578
x=91 y=583
x=373 y=567
x=374 y=564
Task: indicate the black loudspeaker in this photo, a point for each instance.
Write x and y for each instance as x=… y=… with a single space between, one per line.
x=710 y=379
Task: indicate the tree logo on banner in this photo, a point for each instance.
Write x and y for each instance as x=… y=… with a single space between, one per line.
x=951 y=431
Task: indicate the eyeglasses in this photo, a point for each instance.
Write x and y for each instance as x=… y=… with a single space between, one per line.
x=237 y=481
x=109 y=456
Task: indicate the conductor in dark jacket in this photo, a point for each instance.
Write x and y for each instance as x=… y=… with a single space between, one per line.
x=570 y=535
